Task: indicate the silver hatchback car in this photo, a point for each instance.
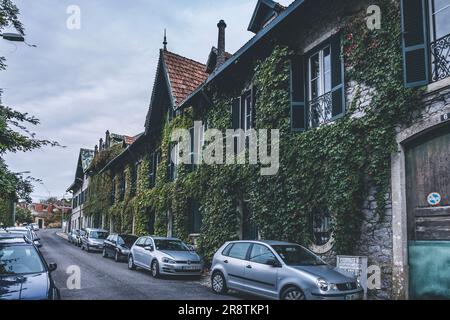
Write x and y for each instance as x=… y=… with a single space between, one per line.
x=93 y=239
x=164 y=256
x=279 y=270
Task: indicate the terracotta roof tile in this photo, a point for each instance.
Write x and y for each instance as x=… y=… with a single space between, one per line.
x=185 y=75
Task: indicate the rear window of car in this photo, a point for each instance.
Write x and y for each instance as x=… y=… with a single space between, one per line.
x=19 y=259
x=239 y=250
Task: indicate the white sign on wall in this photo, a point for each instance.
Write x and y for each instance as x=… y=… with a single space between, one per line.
x=354 y=267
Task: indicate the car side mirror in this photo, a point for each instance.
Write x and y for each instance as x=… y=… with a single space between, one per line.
x=274 y=263
x=149 y=248
x=52 y=267
x=191 y=248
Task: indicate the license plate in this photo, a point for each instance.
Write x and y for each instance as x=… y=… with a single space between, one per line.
x=190 y=268
x=355 y=296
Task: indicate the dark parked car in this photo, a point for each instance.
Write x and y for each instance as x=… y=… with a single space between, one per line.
x=118 y=246
x=24 y=274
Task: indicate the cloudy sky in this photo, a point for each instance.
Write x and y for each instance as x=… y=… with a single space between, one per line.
x=80 y=83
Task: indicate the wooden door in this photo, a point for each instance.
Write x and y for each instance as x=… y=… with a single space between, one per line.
x=428 y=205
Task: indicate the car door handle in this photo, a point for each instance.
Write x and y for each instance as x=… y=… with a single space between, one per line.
x=249 y=267
x=226 y=261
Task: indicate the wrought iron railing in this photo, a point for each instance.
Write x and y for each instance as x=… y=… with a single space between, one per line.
x=320 y=110
x=440 y=58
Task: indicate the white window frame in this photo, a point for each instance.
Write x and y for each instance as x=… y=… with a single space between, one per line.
x=321 y=78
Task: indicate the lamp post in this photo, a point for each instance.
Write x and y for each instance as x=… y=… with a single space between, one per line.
x=14 y=37
x=14 y=197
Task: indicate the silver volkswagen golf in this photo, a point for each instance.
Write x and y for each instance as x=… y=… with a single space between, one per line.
x=279 y=270
x=164 y=256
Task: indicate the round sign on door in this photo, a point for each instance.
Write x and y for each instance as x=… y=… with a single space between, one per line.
x=434 y=199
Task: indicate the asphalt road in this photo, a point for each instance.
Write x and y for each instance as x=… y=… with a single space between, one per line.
x=104 y=279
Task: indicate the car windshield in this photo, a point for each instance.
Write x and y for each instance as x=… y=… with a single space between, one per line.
x=98 y=235
x=170 y=245
x=294 y=255
x=19 y=259
x=127 y=240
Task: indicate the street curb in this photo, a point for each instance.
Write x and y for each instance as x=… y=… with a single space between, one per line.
x=62 y=235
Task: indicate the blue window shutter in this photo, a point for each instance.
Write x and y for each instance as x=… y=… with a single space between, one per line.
x=253 y=107
x=298 y=105
x=236 y=113
x=337 y=78
x=415 y=42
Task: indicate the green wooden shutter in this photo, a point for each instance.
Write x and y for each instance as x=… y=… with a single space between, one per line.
x=170 y=166
x=242 y=113
x=235 y=113
x=253 y=107
x=337 y=78
x=415 y=42
x=298 y=105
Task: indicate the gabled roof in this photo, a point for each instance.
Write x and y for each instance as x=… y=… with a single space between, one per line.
x=184 y=75
x=85 y=158
x=181 y=76
x=265 y=11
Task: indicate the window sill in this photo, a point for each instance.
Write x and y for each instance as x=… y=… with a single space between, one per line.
x=439 y=85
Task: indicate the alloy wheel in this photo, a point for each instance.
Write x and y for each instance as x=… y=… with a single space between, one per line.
x=131 y=263
x=294 y=294
x=217 y=283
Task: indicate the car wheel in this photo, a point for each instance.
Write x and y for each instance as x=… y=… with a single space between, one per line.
x=292 y=293
x=218 y=283
x=131 y=264
x=155 y=269
x=104 y=254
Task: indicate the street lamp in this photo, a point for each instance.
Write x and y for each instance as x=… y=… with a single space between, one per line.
x=16 y=37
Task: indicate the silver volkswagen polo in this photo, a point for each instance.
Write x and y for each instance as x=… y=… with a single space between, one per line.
x=164 y=256
x=279 y=270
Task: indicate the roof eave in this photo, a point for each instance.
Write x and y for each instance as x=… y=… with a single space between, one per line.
x=235 y=57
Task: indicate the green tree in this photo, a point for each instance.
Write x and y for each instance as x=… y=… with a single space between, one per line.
x=23 y=215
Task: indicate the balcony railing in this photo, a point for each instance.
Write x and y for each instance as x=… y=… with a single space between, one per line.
x=440 y=59
x=320 y=110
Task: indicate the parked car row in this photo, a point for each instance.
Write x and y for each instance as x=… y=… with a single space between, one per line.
x=24 y=273
x=269 y=269
x=27 y=231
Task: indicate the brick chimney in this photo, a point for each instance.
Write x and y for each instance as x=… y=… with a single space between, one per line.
x=107 y=140
x=221 y=44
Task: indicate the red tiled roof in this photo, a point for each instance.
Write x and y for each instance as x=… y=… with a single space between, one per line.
x=129 y=140
x=185 y=75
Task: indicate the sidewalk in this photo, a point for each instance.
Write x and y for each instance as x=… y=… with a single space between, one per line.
x=62 y=235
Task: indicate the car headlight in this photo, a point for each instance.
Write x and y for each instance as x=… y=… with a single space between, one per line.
x=322 y=284
x=168 y=260
x=358 y=283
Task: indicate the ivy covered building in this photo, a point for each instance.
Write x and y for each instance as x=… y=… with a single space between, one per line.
x=359 y=91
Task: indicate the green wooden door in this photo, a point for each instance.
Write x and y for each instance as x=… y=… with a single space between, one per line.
x=427 y=182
